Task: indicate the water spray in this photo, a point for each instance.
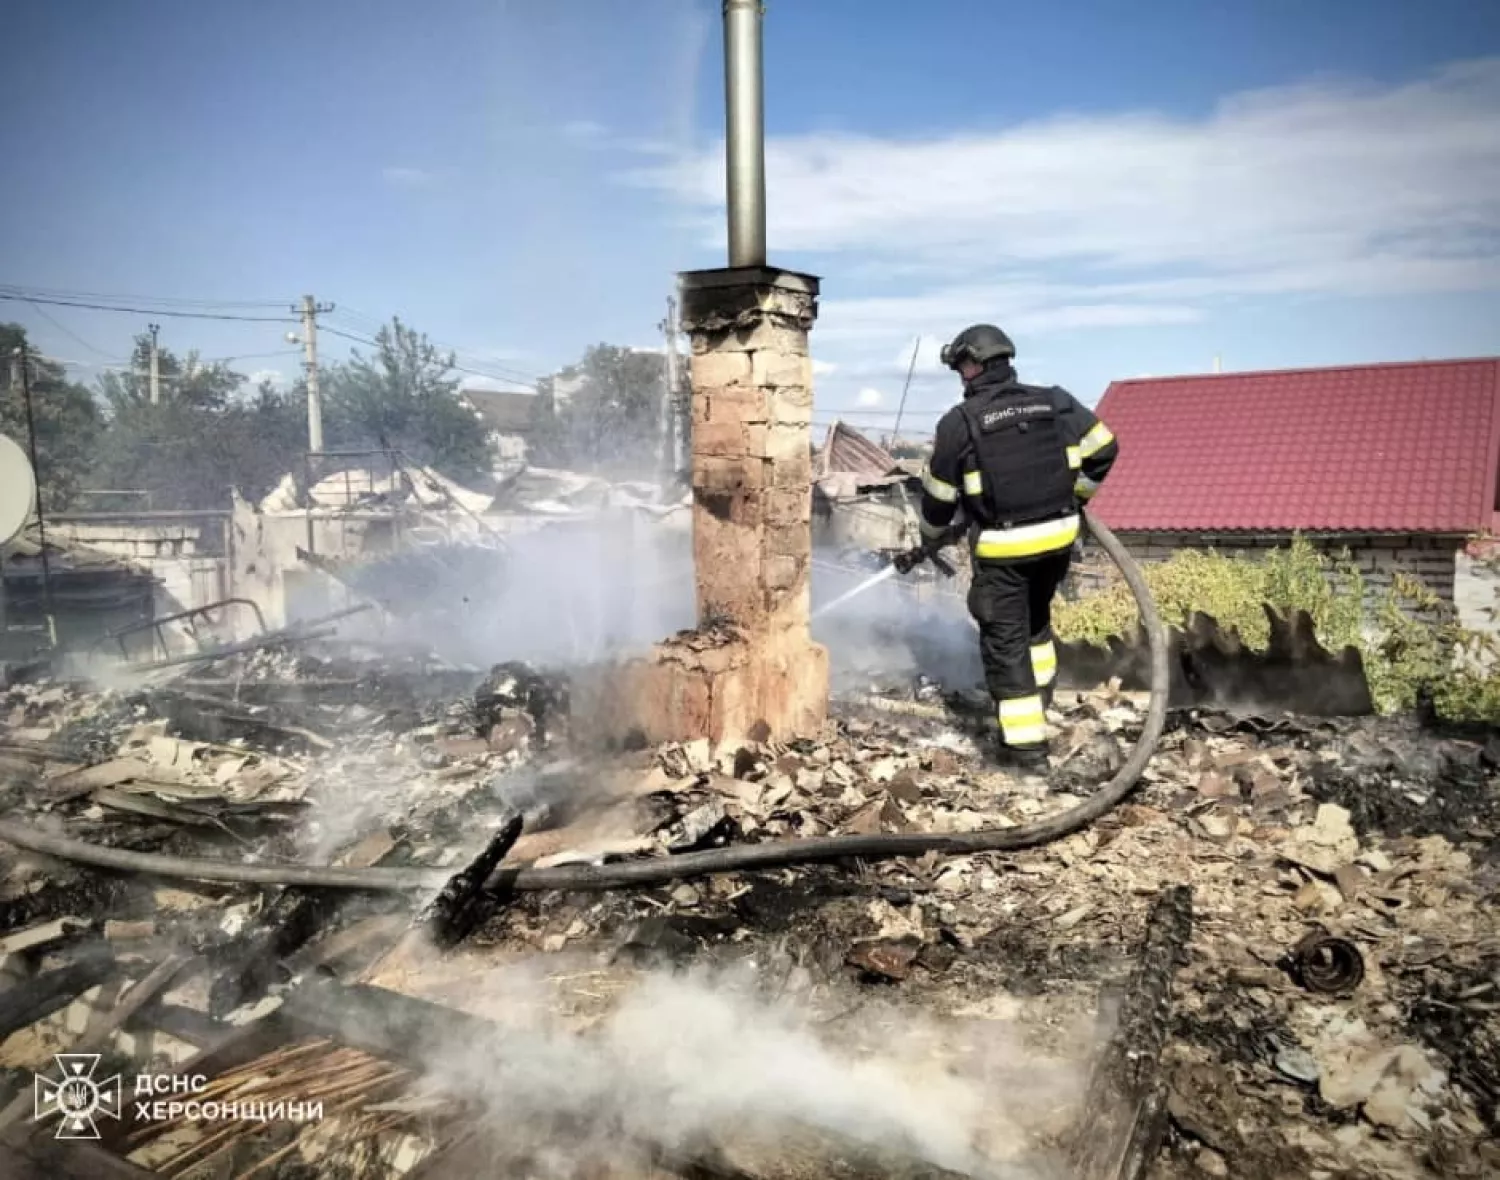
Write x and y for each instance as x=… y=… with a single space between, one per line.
x=903 y=563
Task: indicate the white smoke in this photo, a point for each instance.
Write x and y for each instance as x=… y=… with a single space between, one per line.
x=688 y=1061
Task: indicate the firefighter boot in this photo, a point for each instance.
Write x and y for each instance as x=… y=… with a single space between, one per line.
x=1027 y=760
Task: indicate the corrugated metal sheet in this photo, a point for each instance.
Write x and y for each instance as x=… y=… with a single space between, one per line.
x=847 y=450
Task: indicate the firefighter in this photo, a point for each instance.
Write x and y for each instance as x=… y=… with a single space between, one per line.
x=1021 y=460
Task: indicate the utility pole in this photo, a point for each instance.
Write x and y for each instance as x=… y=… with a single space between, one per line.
x=674 y=425
x=310 y=311
x=41 y=516
x=155 y=366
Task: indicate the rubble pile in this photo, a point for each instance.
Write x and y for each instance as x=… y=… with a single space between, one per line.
x=1336 y=1015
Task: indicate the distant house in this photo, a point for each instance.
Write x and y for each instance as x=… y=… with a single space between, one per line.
x=1395 y=462
x=863 y=498
x=511 y=417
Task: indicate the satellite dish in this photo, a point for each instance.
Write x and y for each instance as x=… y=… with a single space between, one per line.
x=17 y=489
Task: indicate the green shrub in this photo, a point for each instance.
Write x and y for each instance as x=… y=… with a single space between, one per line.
x=1403 y=654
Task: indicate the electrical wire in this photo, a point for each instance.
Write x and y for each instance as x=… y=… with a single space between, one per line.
x=466 y=360
x=493 y=376
x=68 y=332
x=164 y=300
x=87 y=301
x=155 y=311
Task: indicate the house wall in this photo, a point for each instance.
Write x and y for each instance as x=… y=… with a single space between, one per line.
x=187 y=555
x=1380 y=557
x=509 y=448
x=1476 y=591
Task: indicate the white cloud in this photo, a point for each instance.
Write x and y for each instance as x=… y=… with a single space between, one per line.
x=276 y=377
x=823 y=368
x=869 y=398
x=1141 y=218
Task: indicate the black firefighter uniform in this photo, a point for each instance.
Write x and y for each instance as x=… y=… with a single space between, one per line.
x=1020 y=460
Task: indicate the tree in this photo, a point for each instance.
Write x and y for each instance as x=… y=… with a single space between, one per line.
x=186 y=382
x=604 y=414
x=405 y=398
x=67 y=420
x=203 y=437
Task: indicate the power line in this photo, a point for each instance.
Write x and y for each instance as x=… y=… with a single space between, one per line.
x=247 y=356
x=163 y=300
x=186 y=315
x=527 y=383
x=490 y=371
x=67 y=331
x=123 y=366
x=468 y=360
x=365 y=340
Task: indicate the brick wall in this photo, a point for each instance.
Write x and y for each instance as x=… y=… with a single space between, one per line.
x=1476 y=591
x=1380 y=557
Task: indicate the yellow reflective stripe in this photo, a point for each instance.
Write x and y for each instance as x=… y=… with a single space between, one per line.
x=1023 y=735
x=930 y=530
x=937 y=489
x=1028 y=540
x=973 y=483
x=1075 y=458
x=1023 y=721
x=1095 y=440
x=1044 y=663
x=1084 y=487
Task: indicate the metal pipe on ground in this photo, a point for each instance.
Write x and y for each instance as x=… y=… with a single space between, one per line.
x=738 y=858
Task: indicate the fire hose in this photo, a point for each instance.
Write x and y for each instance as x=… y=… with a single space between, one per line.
x=736 y=858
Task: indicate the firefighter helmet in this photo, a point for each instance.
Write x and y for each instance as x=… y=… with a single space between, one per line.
x=981 y=344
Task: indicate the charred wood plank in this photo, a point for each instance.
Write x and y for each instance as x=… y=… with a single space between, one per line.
x=384 y=1023
x=32 y=1153
x=255 y=962
x=1123 y=1115
x=332 y=952
x=210 y=719
x=181 y=1023
x=89 y=893
x=39 y=997
x=96 y=1037
x=465 y=903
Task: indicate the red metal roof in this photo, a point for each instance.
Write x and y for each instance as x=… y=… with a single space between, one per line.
x=1410 y=447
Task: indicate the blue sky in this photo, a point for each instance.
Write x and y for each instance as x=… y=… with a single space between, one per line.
x=1128 y=188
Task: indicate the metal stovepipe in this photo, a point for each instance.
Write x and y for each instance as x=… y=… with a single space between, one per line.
x=745 y=132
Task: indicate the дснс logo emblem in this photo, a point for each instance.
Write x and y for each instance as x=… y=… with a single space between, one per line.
x=77 y=1096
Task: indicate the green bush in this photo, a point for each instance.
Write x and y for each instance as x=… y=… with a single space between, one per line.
x=1403 y=654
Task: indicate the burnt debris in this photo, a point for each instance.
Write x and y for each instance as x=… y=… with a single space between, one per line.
x=1350 y=839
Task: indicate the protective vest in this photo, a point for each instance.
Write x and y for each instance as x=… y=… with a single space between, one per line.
x=1019 y=470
